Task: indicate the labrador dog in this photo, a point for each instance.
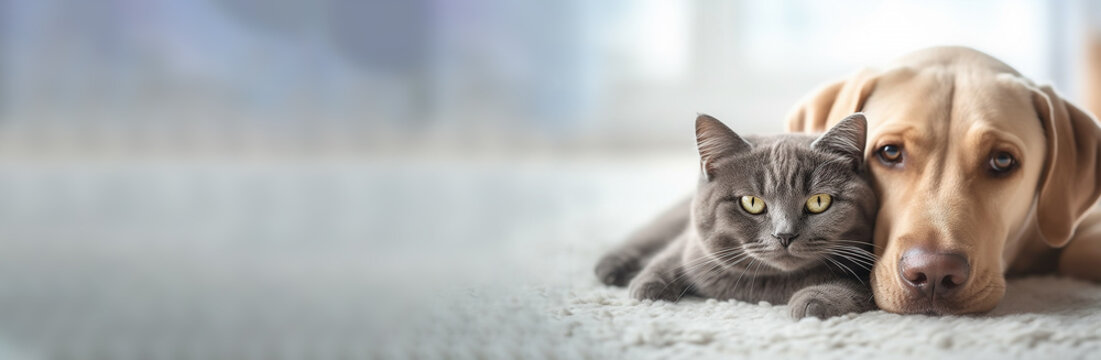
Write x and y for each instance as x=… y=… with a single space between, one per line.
x=980 y=173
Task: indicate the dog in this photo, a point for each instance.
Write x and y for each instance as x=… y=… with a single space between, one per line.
x=980 y=174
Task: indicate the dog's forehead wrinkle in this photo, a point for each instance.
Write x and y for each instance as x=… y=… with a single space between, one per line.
x=936 y=145
x=985 y=131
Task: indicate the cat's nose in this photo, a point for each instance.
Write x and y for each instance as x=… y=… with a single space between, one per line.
x=785 y=237
x=932 y=273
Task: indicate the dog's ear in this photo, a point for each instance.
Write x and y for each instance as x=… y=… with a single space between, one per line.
x=1069 y=185
x=832 y=101
x=715 y=141
x=845 y=139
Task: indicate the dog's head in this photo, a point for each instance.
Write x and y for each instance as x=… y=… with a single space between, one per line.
x=969 y=160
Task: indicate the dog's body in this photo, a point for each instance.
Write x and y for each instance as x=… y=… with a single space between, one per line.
x=979 y=172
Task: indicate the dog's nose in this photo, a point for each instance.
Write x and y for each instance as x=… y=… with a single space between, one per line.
x=932 y=273
x=785 y=237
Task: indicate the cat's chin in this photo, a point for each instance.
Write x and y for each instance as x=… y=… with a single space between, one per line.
x=785 y=262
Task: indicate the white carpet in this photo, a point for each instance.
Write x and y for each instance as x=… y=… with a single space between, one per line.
x=1045 y=318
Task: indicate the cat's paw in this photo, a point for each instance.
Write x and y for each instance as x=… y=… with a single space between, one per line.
x=651 y=288
x=810 y=307
x=617 y=269
x=824 y=301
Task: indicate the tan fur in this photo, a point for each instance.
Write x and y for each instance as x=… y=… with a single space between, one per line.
x=951 y=108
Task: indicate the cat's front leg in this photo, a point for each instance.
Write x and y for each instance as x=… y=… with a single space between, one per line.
x=831 y=299
x=662 y=278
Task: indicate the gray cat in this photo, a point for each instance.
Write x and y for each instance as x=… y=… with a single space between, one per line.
x=784 y=219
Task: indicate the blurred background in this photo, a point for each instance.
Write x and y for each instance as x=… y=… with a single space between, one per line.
x=306 y=179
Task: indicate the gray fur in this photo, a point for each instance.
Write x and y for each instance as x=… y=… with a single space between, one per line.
x=709 y=246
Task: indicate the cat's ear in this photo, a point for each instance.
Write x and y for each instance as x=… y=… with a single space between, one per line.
x=846 y=138
x=715 y=141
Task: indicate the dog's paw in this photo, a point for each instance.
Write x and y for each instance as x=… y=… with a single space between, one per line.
x=654 y=289
x=824 y=302
x=616 y=269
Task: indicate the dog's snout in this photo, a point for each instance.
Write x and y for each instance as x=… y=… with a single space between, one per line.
x=933 y=274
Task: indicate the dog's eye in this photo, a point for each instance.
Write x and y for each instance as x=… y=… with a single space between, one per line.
x=819 y=203
x=1002 y=162
x=753 y=205
x=890 y=154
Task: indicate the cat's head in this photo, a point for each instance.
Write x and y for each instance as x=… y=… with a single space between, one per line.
x=787 y=202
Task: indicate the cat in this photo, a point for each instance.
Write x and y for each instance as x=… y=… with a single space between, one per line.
x=783 y=219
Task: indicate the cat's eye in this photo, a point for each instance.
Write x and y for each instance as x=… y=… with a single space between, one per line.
x=1002 y=162
x=819 y=203
x=753 y=205
x=890 y=154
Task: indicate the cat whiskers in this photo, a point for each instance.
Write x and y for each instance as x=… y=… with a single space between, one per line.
x=857 y=258
x=718 y=258
x=714 y=268
x=856 y=253
x=853 y=254
x=845 y=268
x=753 y=277
x=740 y=276
x=715 y=263
x=857 y=243
x=718 y=255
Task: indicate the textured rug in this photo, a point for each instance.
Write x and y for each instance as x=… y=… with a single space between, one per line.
x=1040 y=318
